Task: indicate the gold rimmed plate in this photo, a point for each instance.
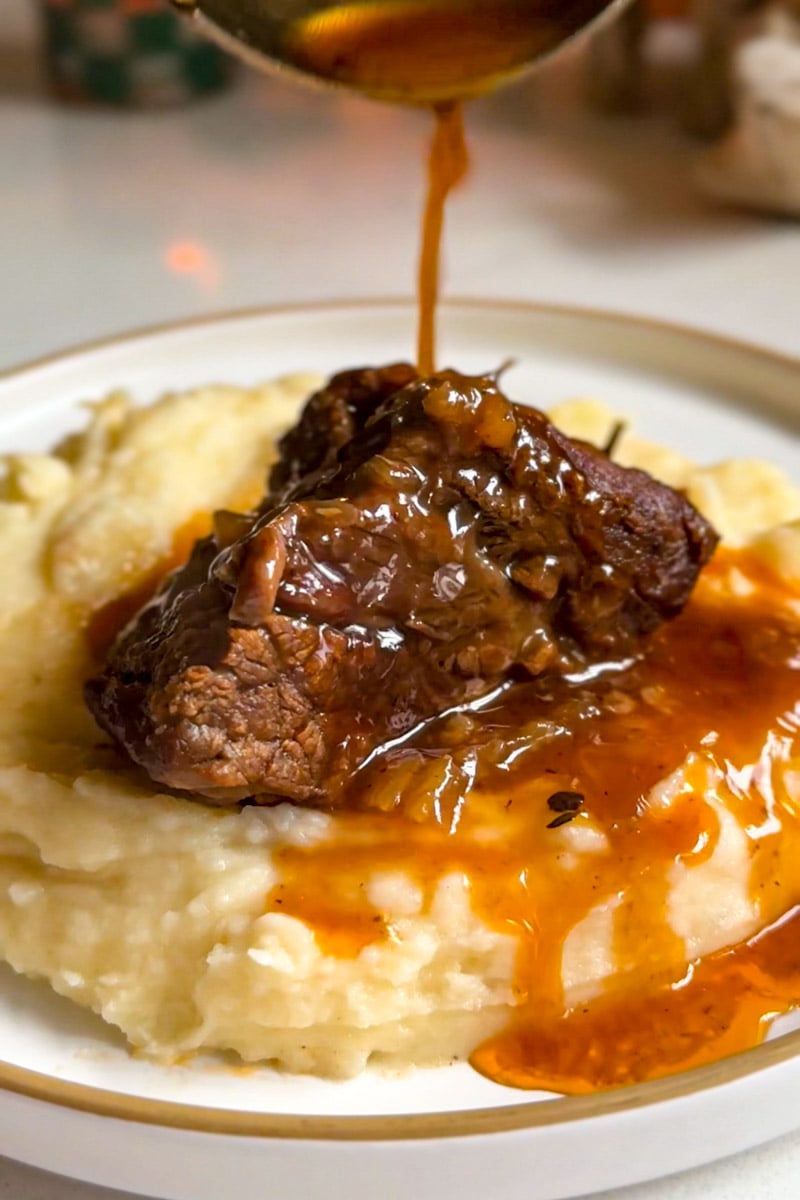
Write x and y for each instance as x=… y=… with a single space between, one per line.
x=73 y=1100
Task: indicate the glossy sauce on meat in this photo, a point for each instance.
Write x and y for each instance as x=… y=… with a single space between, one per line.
x=455 y=543
x=721 y=682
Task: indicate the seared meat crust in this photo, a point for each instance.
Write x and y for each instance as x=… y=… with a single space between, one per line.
x=423 y=542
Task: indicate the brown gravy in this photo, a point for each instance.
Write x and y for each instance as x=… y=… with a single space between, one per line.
x=106 y=622
x=447 y=165
x=471 y=795
x=438 y=54
x=427 y=53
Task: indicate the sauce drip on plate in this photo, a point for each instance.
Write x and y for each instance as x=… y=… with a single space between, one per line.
x=559 y=803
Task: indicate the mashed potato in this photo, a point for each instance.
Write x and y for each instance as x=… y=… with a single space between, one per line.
x=154 y=910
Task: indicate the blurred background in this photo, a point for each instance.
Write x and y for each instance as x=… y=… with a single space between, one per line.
x=144 y=177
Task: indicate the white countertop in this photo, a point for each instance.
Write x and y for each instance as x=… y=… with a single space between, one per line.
x=294 y=195
x=269 y=194
x=770 y=1173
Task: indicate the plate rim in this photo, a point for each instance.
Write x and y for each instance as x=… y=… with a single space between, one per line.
x=455 y=303
x=395 y=1127
x=524 y=1115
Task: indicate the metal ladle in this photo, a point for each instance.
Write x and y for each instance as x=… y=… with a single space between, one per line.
x=408 y=51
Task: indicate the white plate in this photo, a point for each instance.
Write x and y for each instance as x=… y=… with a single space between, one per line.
x=73 y=1100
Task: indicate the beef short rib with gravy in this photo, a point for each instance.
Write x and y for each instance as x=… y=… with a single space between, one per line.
x=423 y=542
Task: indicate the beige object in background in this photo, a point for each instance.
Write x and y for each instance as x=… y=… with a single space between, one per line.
x=757 y=161
x=742 y=87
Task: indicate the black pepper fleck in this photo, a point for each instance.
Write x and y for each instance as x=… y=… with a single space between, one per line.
x=561 y=819
x=565 y=802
